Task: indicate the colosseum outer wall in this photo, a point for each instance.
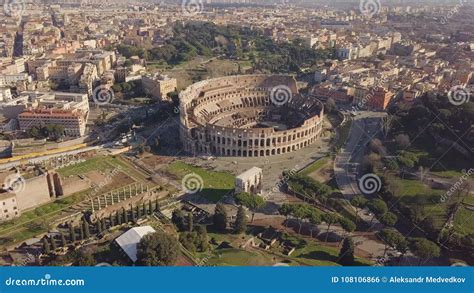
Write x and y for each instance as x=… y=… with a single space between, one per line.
x=223 y=97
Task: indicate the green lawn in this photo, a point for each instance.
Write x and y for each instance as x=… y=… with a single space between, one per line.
x=315 y=166
x=463 y=221
x=414 y=193
x=238 y=257
x=449 y=174
x=101 y=163
x=215 y=184
x=317 y=255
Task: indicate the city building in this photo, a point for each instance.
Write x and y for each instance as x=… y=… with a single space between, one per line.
x=159 y=86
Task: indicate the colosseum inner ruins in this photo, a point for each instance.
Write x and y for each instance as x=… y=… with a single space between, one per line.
x=248 y=116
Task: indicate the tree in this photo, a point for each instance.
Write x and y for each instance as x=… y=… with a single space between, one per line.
x=46 y=246
x=81 y=232
x=220 y=217
x=392 y=238
x=99 y=226
x=54 y=246
x=359 y=202
x=240 y=221
x=178 y=219
x=157 y=249
x=63 y=240
x=314 y=219
x=72 y=233
x=389 y=219
x=378 y=207
x=87 y=232
x=125 y=216
x=346 y=254
x=285 y=210
x=329 y=219
x=403 y=141
x=347 y=225
x=250 y=201
x=203 y=243
x=190 y=222
x=424 y=249
x=189 y=240
x=85 y=259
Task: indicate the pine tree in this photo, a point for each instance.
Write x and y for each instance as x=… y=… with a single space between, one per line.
x=145 y=212
x=63 y=240
x=346 y=255
x=240 y=221
x=150 y=207
x=46 y=247
x=87 y=232
x=104 y=224
x=54 y=246
x=139 y=212
x=112 y=220
x=81 y=232
x=72 y=233
x=125 y=216
x=157 y=206
x=119 y=219
x=99 y=226
x=134 y=217
x=190 y=222
x=220 y=217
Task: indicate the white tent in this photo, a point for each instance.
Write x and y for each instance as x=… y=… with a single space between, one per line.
x=128 y=241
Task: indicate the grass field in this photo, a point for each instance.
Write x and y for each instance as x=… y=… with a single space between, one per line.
x=317 y=255
x=238 y=257
x=414 y=193
x=101 y=164
x=215 y=184
x=463 y=221
x=315 y=166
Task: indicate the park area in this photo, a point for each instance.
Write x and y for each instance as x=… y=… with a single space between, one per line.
x=215 y=185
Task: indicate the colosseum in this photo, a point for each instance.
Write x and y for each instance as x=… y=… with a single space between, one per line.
x=248 y=116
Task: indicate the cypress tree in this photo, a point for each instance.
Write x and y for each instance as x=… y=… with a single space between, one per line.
x=87 y=232
x=46 y=247
x=81 y=232
x=190 y=222
x=63 y=240
x=72 y=233
x=240 y=221
x=54 y=246
x=220 y=217
x=99 y=226
x=125 y=216
x=346 y=255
